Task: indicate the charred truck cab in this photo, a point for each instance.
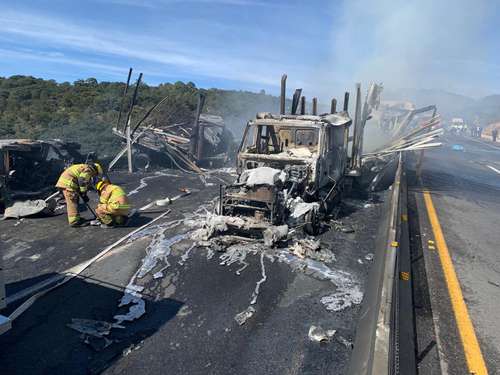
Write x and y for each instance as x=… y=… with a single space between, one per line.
x=291 y=168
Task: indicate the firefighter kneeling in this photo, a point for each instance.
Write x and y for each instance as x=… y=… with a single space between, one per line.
x=74 y=183
x=113 y=206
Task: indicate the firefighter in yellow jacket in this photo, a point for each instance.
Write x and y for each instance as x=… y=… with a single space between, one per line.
x=113 y=206
x=74 y=183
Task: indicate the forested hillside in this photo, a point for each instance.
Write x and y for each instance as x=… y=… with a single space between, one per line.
x=86 y=110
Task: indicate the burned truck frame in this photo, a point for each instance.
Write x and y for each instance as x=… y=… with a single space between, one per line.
x=292 y=168
x=309 y=150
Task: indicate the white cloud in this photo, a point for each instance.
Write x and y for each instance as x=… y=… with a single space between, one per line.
x=58 y=58
x=163 y=3
x=155 y=53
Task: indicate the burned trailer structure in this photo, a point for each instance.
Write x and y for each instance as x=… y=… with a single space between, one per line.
x=171 y=145
x=30 y=168
x=187 y=143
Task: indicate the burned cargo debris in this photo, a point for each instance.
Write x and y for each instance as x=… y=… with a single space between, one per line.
x=172 y=145
x=30 y=168
x=187 y=143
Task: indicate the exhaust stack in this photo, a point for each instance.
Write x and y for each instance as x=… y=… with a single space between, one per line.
x=346 y=101
x=303 y=105
x=315 y=106
x=283 y=94
x=333 y=107
x=296 y=101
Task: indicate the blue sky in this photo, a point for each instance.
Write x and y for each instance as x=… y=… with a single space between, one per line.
x=324 y=46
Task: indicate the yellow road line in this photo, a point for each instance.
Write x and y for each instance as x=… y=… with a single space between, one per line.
x=473 y=356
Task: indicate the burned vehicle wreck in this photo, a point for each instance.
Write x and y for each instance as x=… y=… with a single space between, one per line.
x=30 y=168
x=291 y=169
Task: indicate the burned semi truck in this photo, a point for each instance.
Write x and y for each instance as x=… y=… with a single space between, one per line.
x=289 y=166
x=293 y=168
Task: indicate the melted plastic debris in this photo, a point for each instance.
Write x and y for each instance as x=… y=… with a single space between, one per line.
x=132 y=297
x=96 y=328
x=369 y=257
x=262 y=176
x=203 y=180
x=243 y=316
x=213 y=224
x=348 y=291
x=158 y=250
x=262 y=280
x=231 y=171
x=143 y=183
x=347 y=343
x=305 y=247
x=237 y=254
x=343 y=298
x=185 y=256
x=274 y=234
x=319 y=334
x=153 y=230
x=299 y=208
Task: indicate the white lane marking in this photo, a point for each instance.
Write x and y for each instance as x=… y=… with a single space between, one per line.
x=493 y=169
x=484 y=143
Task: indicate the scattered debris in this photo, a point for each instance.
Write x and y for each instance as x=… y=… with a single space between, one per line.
x=203 y=141
x=306 y=247
x=18 y=222
x=143 y=183
x=242 y=317
x=340 y=227
x=137 y=306
x=262 y=280
x=318 y=334
x=29 y=208
x=185 y=256
x=347 y=343
x=348 y=291
x=274 y=234
x=343 y=298
x=96 y=328
x=494 y=283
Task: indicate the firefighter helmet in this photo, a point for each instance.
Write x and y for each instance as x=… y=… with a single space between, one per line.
x=98 y=168
x=100 y=184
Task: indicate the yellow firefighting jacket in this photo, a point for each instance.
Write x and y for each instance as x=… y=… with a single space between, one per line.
x=114 y=198
x=77 y=177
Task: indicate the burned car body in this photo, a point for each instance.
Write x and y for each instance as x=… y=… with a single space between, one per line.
x=30 y=168
x=290 y=167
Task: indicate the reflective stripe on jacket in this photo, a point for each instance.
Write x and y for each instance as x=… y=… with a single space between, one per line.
x=77 y=177
x=114 y=198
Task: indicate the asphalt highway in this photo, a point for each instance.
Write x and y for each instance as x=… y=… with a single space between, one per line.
x=457 y=277
x=192 y=294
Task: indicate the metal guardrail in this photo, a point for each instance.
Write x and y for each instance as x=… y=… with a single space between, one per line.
x=5 y=322
x=377 y=347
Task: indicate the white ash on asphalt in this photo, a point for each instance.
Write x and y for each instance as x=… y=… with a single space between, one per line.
x=202 y=230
